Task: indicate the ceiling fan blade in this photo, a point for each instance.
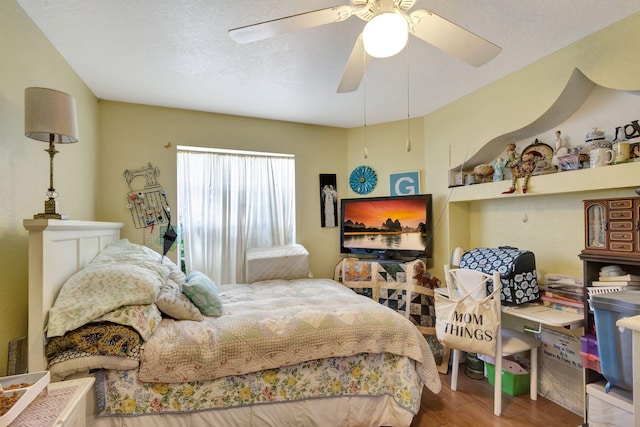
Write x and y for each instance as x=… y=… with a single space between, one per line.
x=267 y=29
x=354 y=71
x=451 y=38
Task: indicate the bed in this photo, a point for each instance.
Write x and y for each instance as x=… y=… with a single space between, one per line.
x=302 y=351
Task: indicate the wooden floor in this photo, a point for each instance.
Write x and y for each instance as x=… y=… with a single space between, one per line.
x=472 y=405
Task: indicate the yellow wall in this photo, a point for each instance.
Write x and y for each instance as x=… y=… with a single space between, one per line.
x=91 y=186
x=28 y=59
x=135 y=135
x=386 y=148
x=554 y=231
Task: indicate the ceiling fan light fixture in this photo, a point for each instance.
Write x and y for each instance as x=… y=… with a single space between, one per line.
x=385 y=35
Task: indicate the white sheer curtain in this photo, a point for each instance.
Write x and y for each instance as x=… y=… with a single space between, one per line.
x=229 y=202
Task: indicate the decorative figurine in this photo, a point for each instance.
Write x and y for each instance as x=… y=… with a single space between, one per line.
x=522 y=167
x=512 y=156
x=498 y=168
x=559 y=151
x=512 y=160
x=559 y=140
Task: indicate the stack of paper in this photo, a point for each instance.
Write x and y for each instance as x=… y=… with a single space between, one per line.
x=563 y=293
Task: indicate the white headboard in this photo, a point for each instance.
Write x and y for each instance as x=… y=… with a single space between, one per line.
x=57 y=250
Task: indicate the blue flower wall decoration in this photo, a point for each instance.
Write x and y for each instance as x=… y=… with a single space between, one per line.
x=363 y=180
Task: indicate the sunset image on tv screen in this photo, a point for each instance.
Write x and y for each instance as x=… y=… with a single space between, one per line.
x=385 y=224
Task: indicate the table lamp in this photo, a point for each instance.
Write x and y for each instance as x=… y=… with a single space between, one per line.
x=50 y=116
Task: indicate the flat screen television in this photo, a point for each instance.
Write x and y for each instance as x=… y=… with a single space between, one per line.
x=395 y=227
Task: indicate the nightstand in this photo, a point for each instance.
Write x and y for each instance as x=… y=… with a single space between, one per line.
x=64 y=405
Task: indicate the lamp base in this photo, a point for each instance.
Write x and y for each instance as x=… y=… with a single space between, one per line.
x=50 y=210
x=47 y=216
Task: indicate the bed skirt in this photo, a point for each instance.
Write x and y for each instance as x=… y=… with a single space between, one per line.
x=361 y=390
x=347 y=411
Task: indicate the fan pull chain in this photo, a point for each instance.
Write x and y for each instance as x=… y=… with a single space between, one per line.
x=408 y=145
x=364 y=87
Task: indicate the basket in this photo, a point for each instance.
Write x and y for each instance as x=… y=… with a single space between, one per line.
x=598 y=290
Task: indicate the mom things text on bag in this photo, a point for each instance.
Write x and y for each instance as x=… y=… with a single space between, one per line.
x=467 y=324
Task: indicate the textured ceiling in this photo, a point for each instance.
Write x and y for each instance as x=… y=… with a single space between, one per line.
x=177 y=53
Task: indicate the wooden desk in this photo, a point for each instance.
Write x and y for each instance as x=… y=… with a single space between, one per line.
x=537 y=312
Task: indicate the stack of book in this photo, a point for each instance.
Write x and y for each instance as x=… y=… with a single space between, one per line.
x=565 y=294
x=632 y=280
x=607 y=284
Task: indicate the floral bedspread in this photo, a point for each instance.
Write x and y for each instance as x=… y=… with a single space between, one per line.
x=276 y=323
x=120 y=393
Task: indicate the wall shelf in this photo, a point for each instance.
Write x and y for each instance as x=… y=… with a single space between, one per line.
x=625 y=175
x=574 y=94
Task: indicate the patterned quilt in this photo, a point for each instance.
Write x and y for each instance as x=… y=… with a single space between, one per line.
x=406 y=287
x=277 y=323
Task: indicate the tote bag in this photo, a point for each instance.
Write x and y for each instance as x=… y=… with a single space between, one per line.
x=467 y=324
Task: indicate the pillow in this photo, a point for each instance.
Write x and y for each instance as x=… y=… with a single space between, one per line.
x=143 y=318
x=172 y=302
x=103 y=287
x=203 y=293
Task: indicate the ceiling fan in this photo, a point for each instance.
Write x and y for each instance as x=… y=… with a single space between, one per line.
x=423 y=24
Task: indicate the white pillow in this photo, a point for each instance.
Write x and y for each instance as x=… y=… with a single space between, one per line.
x=172 y=302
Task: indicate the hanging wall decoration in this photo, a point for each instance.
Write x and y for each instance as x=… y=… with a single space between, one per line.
x=404 y=183
x=363 y=179
x=148 y=204
x=328 y=200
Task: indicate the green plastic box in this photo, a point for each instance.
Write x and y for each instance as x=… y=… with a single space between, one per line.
x=512 y=384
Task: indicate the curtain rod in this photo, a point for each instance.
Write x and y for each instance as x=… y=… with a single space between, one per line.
x=227 y=151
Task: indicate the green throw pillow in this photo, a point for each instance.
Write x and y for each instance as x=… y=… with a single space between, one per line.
x=202 y=291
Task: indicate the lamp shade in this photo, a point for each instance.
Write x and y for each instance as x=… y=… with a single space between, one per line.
x=385 y=35
x=50 y=112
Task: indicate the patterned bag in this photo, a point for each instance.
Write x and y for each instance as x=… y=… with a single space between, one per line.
x=517 y=270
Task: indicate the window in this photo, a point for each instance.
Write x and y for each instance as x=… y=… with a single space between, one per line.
x=230 y=201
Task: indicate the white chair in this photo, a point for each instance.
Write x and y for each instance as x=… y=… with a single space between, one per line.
x=462 y=281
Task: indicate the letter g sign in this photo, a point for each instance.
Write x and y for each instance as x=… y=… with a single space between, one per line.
x=404 y=183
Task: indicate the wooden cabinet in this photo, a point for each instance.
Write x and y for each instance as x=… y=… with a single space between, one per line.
x=612 y=227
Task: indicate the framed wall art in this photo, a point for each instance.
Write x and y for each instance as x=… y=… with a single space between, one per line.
x=404 y=183
x=328 y=200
